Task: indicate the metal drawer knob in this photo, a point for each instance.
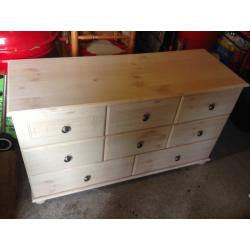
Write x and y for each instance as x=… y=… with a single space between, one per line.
x=66 y=129
x=211 y=106
x=200 y=133
x=140 y=144
x=87 y=177
x=68 y=158
x=177 y=157
x=145 y=117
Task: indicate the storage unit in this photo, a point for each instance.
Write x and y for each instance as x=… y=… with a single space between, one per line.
x=88 y=122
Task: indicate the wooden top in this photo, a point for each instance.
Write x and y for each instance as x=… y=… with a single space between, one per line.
x=57 y=82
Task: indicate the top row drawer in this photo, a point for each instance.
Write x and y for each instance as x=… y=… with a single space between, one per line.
x=207 y=105
x=141 y=115
x=149 y=114
x=59 y=125
x=43 y=127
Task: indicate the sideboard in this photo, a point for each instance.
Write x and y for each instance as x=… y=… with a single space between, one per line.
x=87 y=122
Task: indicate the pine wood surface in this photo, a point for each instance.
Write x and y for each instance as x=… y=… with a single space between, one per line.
x=56 y=82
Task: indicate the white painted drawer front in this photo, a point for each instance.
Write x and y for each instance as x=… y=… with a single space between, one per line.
x=122 y=145
x=208 y=105
x=197 y=131
x=172 y=157
x=49 y=127
x=67 y=179
x=60 y=156
x=141 y=115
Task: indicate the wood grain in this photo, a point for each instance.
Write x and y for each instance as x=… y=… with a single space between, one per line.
x=196 y=107
x=51 y=158
x=117 y=146
x=37 y=128
x=42 y=199
x=167 y=158
x=55 y=182
x=196 y=131
x=140 y=115
x=104 y=100
x=55 y=82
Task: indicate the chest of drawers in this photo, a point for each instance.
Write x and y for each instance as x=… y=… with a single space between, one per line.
x=83 y=123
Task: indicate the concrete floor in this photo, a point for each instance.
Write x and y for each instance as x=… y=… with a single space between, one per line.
x=218 y=189
x=8 y=184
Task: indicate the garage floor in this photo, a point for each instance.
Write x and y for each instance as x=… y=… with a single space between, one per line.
x=218 y=189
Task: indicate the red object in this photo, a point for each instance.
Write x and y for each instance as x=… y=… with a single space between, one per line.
x=197 y=39
x=24 y=44
x=246 y=33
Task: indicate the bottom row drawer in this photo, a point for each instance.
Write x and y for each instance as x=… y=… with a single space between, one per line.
x=172 y=157
x=78 y=177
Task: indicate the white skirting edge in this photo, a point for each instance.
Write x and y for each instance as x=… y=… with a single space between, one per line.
x=40 y=200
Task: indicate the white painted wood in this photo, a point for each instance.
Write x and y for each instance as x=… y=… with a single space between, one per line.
x=55 y=82
x=196 y=107
x=167 y=158
x=76 y=190
x=51 y=158
x=104 y=99
x=179 y=109
x=68 y=179
x=45 y=126
x=141 y=115
x=40 y=202
x=196 y=131
x=117 y=146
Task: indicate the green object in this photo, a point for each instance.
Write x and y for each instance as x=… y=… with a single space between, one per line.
x=9 y=127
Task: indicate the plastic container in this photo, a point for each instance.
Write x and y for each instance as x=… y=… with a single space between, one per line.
x=18 y=45
x=196 y=39
x=24 y=44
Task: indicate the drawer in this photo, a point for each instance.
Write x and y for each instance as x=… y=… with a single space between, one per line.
x=190 y=132
x=141 y=115
x=60 y=181
x=169 y=158
x=36 y=128
x=117 y=146
x=201 y=106
x=60 y=156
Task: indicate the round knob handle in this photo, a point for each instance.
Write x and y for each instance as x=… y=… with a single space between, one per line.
x=200 y=133
x=145 y=117
x=140 y=144
x=87 y=177
x=68 y=158
x=177 y=157
x=211 y=106
x=66 y=129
